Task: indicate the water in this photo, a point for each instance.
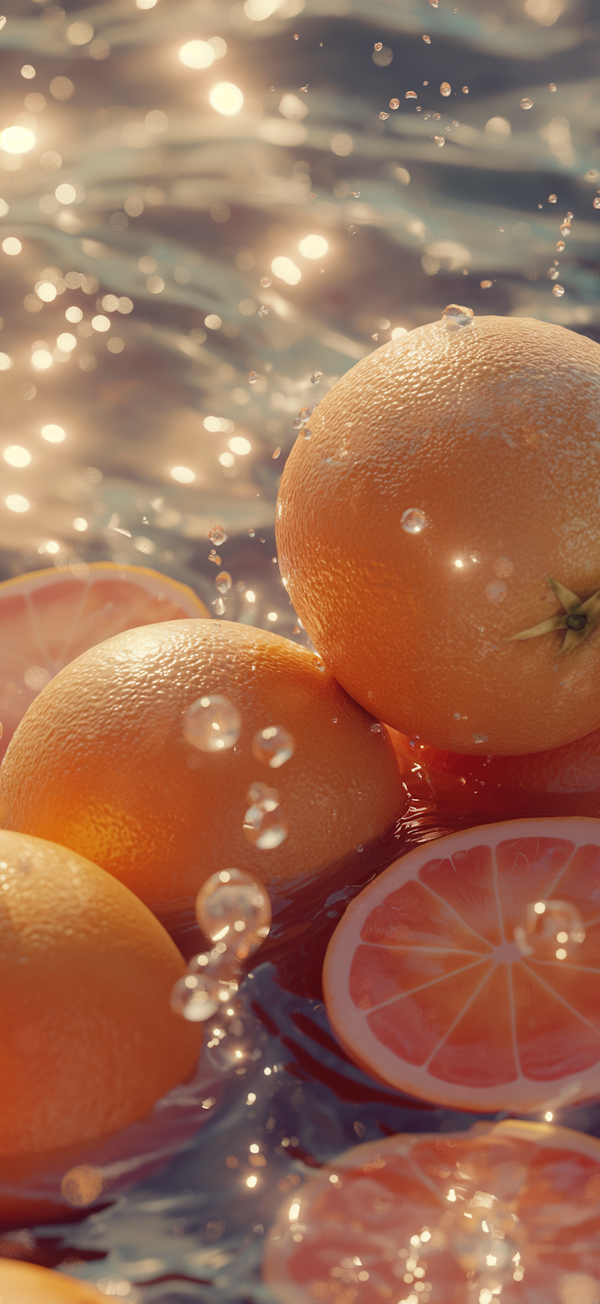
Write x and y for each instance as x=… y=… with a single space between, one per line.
x=148 y=204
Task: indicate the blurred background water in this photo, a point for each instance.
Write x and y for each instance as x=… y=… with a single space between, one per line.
x=193 y=247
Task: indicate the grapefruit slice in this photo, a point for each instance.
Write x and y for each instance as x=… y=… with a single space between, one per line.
x=504 y=1212
x=468 y=972
x=49 y=617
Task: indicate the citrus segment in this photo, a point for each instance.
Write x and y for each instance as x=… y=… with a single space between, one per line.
x=49 y=617
x=506 y=1211
x=88 y=1040
x=470 y=977
x=116 y=760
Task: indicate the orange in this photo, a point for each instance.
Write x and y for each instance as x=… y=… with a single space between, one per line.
x=25 y=1283
x=449 y=478
x=88 y=1041
x=563 y=781
x=504 y=1211
x=49 y=617
x=467 y=972
x=102 y=764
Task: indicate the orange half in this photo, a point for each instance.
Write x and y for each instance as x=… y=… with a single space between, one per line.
x=49 y=617
x=468 y=973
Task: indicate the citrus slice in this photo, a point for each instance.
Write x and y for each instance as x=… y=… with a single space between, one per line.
x=506 y=1211
x=49 y=617
x=468 y=972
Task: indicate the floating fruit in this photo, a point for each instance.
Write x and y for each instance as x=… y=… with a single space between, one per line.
x=467 y=972
x=88 y=1041
x=562 y=781
x=439 y=534
x=49 y=617
x=25 y=1283
x=153 y=755
x=504 y=1211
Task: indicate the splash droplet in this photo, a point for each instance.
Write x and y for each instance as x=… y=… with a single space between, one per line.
x=455 y=316
x=427 y=40
x=445 y=89
x=265 y=282
x=440 y=141
x=273 y=746
x=219 y=607
x=252 y=377
x=263 y=311
x=560 y=244
x=414 y=521
x=552 y=199
x=596 y=203
x=549 y=927
x=411 y=95
x=558 y=291
x=526 y=103
x=212 y=724
x=565 y=228
x=217 y=535
x=465 y=90
x=223 y=582
x=263 y=825
x=316 y=378
x=553 y=273
x=378 y=45
x=551 y=86
x=234 y=910
x=394 y=104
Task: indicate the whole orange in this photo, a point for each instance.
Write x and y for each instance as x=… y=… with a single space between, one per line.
x=25 y=1283
x=101 y=762
x=88 y=1041
x=449 y=477
x=563 y=781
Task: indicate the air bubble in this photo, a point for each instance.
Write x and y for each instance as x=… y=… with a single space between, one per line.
x=212 y=724
x=273 y=746
x=223 y=582
x=263 y=825
x=414 y=520
x=455 y=316
x=234 y=911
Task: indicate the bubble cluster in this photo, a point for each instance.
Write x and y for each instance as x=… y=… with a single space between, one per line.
x=273 y=745
x=234 y=911
x=264 y=825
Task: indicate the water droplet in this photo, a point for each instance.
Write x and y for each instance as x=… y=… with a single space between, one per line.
x=384 y=116
x=434 y=3
x=411 y=95
x=217 y=535
x=394 y=104
x=565 y=228
x=455 y=316
x=306 y=432
x=551 y=199
x=223 y=582
x=263 y=311
x=547 y=927
x=465 y=90
x=265 y=282
x=558 y=291
x=551 y=86
x=263 y=827
x=440 y=141
x=212 y=724
x=596 y=203
x=219 y=607
x=427 y=40
x=303 y=417
x=252 y=377
x=193 y=999
x=413 y=521
x=553 y=272
x=316 y=378
x=526 y=103
x=480 y=738
x=234 y=910
x=560 y=244
x=445 y=89
x=377 y=728
x=486 y=285
x=485 y=1240
x=378 y=45
x=273 y=745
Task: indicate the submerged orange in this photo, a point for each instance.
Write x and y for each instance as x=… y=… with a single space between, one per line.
x=104 y=762
x=446 y=503
x=88 y=1040
x=49 y=617
x=467 y=972
x=25 y=1283
x=507 y=1211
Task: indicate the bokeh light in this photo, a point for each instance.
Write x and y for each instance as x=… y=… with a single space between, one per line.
x=53 y=434
x=286 y=270
x=17 y=140
x=197 y=54
x=226 y=98
x=16 y=503
x=313 y=246
x=16 y=456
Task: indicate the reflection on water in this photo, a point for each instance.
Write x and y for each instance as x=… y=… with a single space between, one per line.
x=193 y=251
